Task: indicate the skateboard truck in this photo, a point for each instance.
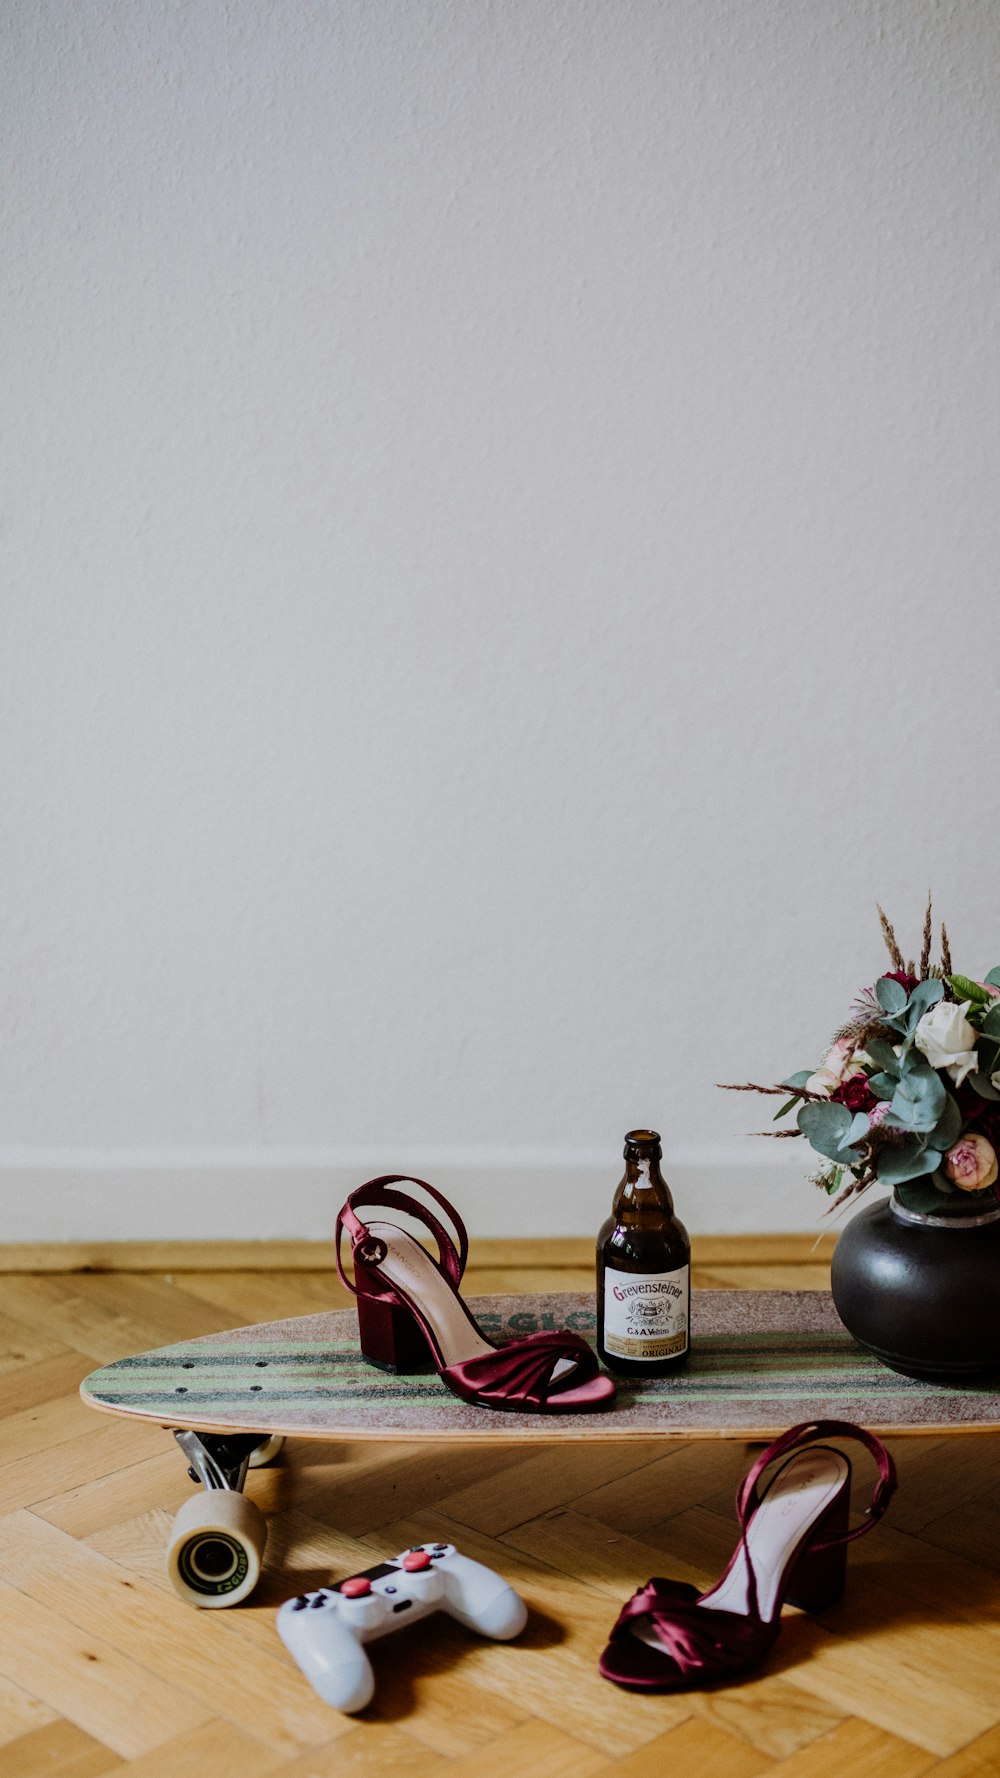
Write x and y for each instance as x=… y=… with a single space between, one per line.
x=217 y=1540
x=217 y=1461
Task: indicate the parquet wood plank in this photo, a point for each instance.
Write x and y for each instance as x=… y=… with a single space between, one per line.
x=533 y=1748
x=695 y=1746
x=60 y=1750
x=358 y=1486
x=856 y=1746
x=41 y=1474
x=109 y=1318
x=375 y=1751
x=155 y=1484
x=937 y=1476
x=22 y=1345
x=20 y=1712
x=971 y=1530
x=217 y=1750
x=202 y=1661
x=89 y=1682
x=870 y=1677
x=678 y=1477
x=610 y=1561
x=30 y=1384
x=427 y=1680
x=44 y=1427
x=502 y=1498
x=980 y=1759
x=776 y=1716
x=264 y=1296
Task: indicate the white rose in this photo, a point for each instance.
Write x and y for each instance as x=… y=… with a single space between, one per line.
x=946 y=1038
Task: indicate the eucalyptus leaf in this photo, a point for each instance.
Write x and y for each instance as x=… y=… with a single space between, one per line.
x=884 y=1054
x=948 y=1128
x=993 y=979
x=991 y=1024
x=883 y=1085
x=860 y=1127
x=983 y=1085
x=922 y=1195
x=909 y=1162
x=890 y=995
x=919 y=1099
x=824 y=1126
x=795 y=1081
x=924 y=996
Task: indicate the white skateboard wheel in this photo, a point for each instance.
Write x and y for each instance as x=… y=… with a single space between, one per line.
x=268 y=1451
x=216 y=1548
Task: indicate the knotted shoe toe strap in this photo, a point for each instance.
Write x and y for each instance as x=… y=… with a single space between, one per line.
x=698 y=1639
x=522 y=1372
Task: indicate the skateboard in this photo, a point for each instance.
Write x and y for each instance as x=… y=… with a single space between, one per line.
x=761 y=1361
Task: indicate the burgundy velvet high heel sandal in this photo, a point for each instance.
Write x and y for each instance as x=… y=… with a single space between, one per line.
x=669 y=1637
x=410 y=1315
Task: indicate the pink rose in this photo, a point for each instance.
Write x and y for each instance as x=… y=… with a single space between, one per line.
x=972 y=1164
x=880 y=1113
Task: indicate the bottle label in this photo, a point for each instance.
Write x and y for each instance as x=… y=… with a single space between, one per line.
x=646 y=1313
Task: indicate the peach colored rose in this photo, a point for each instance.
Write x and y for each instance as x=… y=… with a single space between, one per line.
x=842 y=1060
x=972 y=1164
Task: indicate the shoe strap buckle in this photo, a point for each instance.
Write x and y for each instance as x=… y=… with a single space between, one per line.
x=371 y=1251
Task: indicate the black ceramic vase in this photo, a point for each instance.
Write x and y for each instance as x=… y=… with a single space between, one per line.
x=922 y=1292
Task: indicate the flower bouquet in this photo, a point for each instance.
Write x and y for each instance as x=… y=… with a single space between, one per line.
x=908 y=1093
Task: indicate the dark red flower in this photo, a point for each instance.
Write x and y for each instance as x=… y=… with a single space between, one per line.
x=904 y=979
x=855 y=1093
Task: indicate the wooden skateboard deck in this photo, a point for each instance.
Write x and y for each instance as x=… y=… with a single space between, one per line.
x=760 y=1362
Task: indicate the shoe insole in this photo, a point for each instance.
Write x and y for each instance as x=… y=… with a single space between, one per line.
x=410 y=1268
x=798 y=1496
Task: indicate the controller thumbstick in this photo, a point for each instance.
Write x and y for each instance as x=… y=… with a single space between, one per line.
x=356 y=1588
x=415 y=1561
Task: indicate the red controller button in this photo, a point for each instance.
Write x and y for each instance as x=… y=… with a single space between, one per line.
x=415 y=1561
x=356 y=1588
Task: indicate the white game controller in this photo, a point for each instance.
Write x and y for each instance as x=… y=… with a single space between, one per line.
x=324 y=1631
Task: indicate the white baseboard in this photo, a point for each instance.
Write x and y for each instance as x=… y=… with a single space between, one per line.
x=294 y=1194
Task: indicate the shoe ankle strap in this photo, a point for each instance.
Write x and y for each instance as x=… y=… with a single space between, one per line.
x=807 y=1433
x=379 y=1192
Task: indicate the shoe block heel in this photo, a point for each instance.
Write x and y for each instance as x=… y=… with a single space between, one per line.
x=819 y=1576
x=391 y=1337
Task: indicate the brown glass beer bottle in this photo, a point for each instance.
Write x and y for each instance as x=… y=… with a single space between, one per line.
x=643 y=1270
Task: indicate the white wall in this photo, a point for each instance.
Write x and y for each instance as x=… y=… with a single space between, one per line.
x=500 y=526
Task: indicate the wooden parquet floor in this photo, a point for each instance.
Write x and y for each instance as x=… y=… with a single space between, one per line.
x=104 y=1671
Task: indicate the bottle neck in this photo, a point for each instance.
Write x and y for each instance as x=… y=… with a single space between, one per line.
x=643 y=1186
